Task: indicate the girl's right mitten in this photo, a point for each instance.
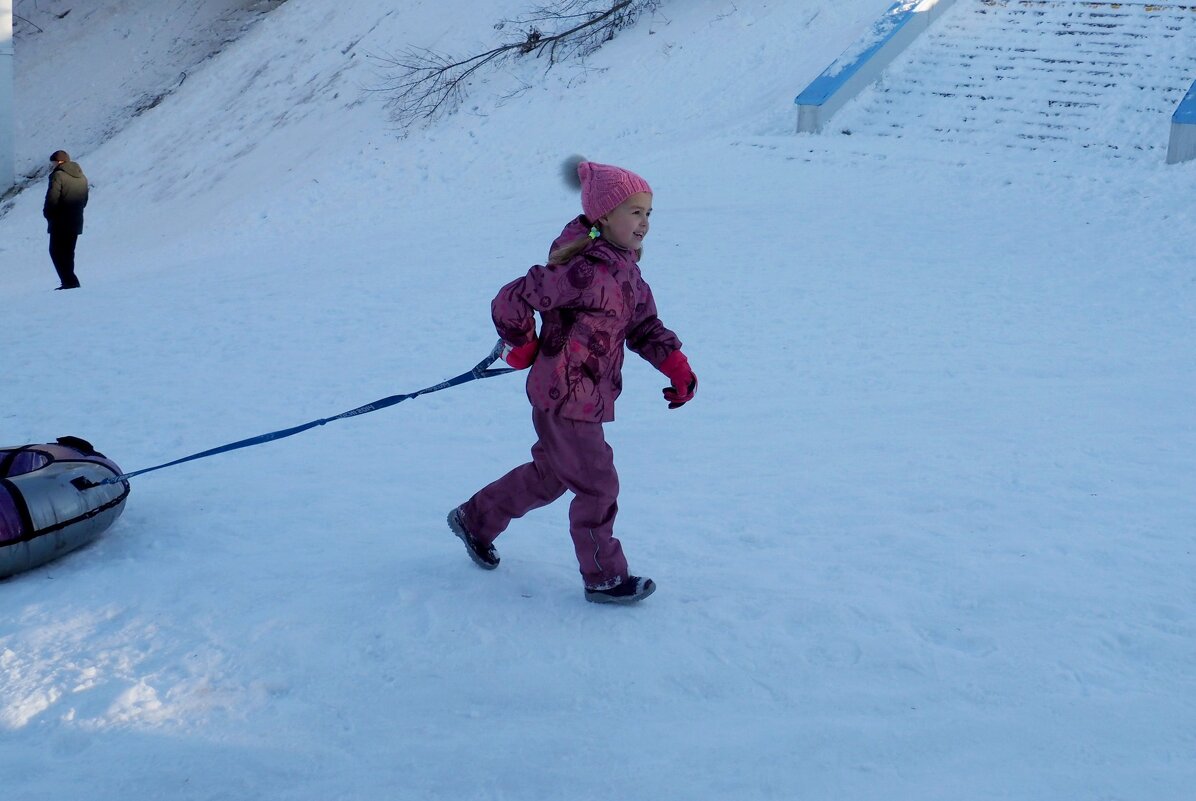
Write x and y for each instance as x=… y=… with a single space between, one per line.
x=521 y=357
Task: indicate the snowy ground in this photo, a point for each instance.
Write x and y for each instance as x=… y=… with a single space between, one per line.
x=926 y=532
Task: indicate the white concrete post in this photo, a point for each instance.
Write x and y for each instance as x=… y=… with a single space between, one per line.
x=7 y=124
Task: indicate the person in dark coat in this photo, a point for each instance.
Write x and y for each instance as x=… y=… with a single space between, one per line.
x=63 y=210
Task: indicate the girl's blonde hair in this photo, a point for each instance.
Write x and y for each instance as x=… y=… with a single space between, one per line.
x=571 y=249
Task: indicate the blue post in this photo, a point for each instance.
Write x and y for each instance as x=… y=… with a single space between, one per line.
x=1182 y=146
x=863 y=62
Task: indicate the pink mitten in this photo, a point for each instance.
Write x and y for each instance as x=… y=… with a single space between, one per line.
x=521 y=357
x=685 y=383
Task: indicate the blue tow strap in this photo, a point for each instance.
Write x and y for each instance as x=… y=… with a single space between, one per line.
x=480 y=370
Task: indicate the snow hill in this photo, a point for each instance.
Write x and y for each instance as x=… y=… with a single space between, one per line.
x=83 y=73
x=925 y=533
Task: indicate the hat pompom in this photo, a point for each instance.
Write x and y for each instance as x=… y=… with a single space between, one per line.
x=569 y=171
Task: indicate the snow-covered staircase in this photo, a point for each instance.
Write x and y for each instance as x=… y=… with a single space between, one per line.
x=1044 y=75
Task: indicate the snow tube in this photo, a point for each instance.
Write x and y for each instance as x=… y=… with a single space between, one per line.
x=51 y=501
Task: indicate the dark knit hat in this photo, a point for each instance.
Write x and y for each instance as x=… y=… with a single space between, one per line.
x=60 y=155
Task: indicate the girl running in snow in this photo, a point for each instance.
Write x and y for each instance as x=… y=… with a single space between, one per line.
x=591 y=299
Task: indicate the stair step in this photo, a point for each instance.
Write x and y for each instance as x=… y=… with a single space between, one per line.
x=1038 y=74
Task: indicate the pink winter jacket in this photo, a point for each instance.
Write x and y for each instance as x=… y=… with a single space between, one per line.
x=589 y=307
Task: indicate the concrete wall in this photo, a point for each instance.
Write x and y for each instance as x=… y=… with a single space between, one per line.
x=7 y=123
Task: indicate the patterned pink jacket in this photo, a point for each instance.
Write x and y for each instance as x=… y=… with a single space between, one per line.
x=589 y=307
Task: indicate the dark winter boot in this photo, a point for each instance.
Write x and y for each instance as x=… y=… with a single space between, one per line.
x=484 y=555
x=628 y=591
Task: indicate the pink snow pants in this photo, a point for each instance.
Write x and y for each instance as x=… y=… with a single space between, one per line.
x=569 y=455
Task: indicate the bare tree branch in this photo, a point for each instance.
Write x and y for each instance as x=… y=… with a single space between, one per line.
x=424 y=84
x=28 y=22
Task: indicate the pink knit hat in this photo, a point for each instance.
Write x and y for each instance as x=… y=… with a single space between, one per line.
x=603 y=186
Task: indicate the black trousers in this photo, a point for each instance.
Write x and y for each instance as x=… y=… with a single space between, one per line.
x=62 y=253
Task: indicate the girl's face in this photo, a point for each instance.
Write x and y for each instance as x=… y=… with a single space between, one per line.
x=627 y=225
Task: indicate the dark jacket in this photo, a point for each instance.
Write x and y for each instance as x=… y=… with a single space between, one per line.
x=65 y=199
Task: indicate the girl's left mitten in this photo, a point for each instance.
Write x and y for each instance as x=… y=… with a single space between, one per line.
x=684 y=382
